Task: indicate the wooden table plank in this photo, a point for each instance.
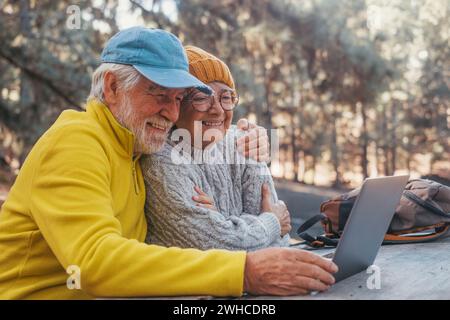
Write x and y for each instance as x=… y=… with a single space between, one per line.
x=407 y=271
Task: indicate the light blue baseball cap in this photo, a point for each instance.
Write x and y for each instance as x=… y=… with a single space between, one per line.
x=157 y=54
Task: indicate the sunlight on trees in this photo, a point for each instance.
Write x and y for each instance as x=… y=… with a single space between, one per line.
x=355 y=88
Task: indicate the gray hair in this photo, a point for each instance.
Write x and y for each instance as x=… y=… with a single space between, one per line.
x=127 y=77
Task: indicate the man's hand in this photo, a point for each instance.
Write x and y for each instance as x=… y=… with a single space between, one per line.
x=255 y=143
x=285 y=271
x=279 y=209
x=203 y=200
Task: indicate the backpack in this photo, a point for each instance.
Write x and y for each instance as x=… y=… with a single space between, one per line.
x=423 y=214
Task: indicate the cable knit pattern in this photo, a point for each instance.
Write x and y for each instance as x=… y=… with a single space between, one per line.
x=175 y=220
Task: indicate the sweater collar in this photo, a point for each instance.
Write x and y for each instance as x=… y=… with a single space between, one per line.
x=123 y=140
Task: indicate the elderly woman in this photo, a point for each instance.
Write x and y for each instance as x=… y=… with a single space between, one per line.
x=243 y=212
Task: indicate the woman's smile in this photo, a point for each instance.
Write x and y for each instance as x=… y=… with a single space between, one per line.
x=213 y=123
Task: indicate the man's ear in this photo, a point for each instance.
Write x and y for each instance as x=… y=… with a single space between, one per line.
x=110 y=89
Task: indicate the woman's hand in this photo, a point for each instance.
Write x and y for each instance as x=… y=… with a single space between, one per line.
x=279 y=209
x=283 y=216
x=255 y=143
x=203 y=200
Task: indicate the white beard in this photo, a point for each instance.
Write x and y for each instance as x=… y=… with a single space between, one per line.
x=145 y=143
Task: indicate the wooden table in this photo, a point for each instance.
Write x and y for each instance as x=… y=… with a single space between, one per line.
x=407 y=271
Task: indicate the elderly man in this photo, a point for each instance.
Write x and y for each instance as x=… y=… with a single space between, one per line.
x=73 y=224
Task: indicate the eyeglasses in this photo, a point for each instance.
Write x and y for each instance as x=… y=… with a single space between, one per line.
x=228 y=99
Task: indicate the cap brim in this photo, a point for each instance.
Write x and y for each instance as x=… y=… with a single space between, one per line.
x=172 y=78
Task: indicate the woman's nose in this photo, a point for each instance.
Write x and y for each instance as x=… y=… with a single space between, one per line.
x=216 y=108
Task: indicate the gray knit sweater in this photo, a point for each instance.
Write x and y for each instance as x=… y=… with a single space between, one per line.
x=175 y=220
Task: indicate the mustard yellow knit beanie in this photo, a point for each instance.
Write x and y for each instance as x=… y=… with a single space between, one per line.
x=208 y=68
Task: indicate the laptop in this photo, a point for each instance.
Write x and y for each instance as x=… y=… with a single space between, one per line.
x=367 y=224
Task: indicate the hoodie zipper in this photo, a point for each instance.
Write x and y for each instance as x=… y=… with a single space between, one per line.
x=135 y=178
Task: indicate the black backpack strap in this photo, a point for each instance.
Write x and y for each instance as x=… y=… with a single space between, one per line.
x=307 y=237
x=427 y=205
x=311 y=222
x=315 y=242
x=328 y=241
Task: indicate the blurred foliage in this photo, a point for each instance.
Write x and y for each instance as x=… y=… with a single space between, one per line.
x=356 y=88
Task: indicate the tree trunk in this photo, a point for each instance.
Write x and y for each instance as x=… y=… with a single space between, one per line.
x=295 y=149
x=385 y=144
x=314 y=162
x=334 y=149
x=365 y=142
x=393 y=137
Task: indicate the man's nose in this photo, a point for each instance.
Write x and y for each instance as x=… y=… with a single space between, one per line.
x=171 y=111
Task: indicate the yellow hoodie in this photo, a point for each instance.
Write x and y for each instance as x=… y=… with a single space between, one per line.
x=78 y=201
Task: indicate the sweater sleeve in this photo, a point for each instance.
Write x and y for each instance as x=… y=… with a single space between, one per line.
x=254 y=175
x=72 y=205
x=175 y=220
